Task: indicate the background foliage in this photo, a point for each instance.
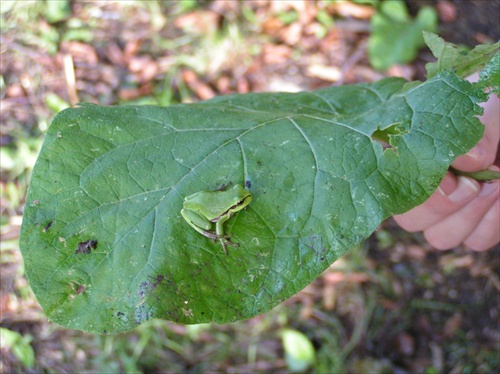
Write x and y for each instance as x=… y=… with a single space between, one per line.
x=392 y=304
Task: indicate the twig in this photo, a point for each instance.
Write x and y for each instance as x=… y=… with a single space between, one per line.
x=69 y=72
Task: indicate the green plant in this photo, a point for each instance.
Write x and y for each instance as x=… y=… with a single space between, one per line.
x=395 y=37
x=105 y=245
x=299 y=351
x=19 y=346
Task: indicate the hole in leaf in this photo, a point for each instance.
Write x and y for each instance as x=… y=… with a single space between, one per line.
x=385 y=136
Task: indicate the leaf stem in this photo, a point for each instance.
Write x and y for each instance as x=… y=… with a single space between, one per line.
x=482 y=175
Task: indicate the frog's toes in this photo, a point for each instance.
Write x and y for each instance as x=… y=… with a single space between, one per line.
x=228 y=242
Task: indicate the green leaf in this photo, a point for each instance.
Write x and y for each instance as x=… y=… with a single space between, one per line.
x=105 y=246
x=56 y=11
x=299 y=351
x=451 y=57
x=396 y=38
x=19 y=346
x=55 y=103
x=490 y=76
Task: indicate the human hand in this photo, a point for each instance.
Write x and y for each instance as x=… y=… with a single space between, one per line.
x=463 y=210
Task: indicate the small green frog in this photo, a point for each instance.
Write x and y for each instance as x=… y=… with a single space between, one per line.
x=204 y=208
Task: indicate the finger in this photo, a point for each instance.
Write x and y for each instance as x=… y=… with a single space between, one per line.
x=484 y=153
x=456 y=228
x=486 y=234
x=452 y=194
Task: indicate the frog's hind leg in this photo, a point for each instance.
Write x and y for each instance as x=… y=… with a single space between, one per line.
x=211 y=235
x=224 y=186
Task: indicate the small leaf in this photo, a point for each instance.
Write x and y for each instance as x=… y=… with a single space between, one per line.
x=55 y=103
x=56 y=11
x=395 y=37
x=451 y=57
x=299 y=351
x=490 y=76
x=19 y=346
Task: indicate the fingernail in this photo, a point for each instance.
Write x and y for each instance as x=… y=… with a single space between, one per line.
x=466 y=188
x=475 y=155
x=489 y=188
x=447 y=185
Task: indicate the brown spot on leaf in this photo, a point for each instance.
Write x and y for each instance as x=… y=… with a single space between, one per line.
x=80 y=289
x=157 y=280
x=86 y=246
x=146 y=286
x=143 y=289
x=48 y=226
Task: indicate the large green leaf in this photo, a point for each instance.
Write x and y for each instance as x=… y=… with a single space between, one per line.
x=103 y=240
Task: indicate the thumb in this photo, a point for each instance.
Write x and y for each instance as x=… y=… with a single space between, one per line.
x=484 y=153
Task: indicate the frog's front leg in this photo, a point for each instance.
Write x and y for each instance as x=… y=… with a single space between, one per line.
x=219 y=230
